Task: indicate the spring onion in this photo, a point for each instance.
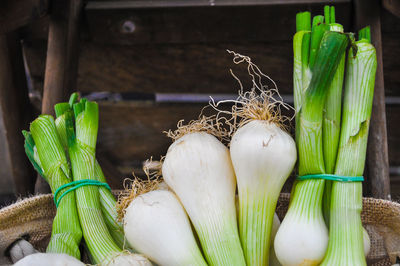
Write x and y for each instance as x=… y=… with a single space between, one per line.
x=273 y=260
x=107 y=200
x=263 y=156
x=156 y=225
x=332 y=115
x=346 y=231
x=49 y=259
x=302 y=237
x=198 y=169
x=81 y=147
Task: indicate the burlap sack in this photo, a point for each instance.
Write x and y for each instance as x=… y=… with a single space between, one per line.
x=33 y=217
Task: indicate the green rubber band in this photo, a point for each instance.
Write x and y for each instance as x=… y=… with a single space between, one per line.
x=75 y=185
x=332 y=177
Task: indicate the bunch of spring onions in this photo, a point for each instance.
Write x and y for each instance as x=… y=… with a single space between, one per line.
x=319 y=51
x=63 y=151
x=195 y=218
x=318 y=81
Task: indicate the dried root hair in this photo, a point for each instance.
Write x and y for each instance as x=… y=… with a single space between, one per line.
x=153 y=169
x=259 y=103
x=138 y=257
x=210 y=124
x=136 y=186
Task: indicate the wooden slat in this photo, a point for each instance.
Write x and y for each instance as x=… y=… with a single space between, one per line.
x=62 y=56
x=367 y=12
x=130 y=131
x=61 y=60
x=16 y=172
x=393 y=6
x=17 y=13
x=231 y=24
x=391 y=50
x=393 y=130
x=183 y=68
x=196 y=68
x=395 y=186
x=200 y=3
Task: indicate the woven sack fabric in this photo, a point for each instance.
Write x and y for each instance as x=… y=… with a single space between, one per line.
x=32 y=218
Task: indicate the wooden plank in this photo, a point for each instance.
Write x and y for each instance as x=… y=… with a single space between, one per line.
x=134 y=131
x=217 y=24
x=200 y=68
x=62 y=58
x=367 y=12
x=183 y=68
x=391 y=50
x=17 y=13
x=393 y=6
x=393 y=130
x=16 y=171
x=199 y=3
x=395 y=187
x=195 y=68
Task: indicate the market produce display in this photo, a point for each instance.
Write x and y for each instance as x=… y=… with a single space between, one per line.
x=213 y=198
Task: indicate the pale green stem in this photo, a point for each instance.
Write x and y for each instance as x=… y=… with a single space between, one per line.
x=256 y=214
x=220 y=240
x=107 y=199
x=66 y=231
x=345 y=235
x=82 y=154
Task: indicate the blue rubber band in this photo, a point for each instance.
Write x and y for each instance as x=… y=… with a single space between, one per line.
x=332 y=177
x=75 y=185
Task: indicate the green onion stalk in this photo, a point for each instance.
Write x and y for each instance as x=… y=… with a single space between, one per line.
x=107 y=200
x=346 y=232
x=81 y=146
x=304 y=228
x=45 y=151
x=332 y=115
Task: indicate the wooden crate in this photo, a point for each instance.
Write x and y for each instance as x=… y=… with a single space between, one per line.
x=161 y=59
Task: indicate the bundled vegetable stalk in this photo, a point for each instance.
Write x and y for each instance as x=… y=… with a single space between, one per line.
x=303 y=237
x=198 y=168
x=107 y=199
x=81 y=147
x=46 y=153
x=346 y=231
x=332 y=116
x=44 y=147
x=156 y=225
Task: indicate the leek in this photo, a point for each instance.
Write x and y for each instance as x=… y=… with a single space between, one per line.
x=51 y=162
x=346 y=231
x=302 y=237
